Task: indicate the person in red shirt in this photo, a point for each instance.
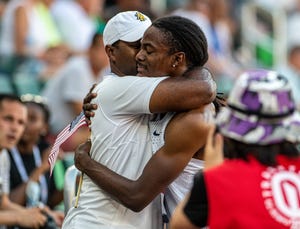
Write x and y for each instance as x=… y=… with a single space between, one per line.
x=257 y=185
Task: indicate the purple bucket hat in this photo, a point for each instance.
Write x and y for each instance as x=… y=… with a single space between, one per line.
x=260 y=110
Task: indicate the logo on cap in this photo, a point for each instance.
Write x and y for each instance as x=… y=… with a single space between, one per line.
x=140 y=16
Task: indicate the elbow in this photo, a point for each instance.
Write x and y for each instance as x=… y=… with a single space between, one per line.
x=5 y=202
x=211 y=92
x=137 y=208
x=135 y=203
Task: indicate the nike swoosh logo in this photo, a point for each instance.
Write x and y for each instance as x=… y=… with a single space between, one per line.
x=155 y=133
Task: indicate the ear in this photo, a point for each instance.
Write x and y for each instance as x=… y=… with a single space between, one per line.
x=178 y=59
x=109 y=49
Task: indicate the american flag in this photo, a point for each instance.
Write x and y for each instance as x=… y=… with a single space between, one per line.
x=63 y=136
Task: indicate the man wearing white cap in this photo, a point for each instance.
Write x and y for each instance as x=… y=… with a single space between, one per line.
x=120 y=135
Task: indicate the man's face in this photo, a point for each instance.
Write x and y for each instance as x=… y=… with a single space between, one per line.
x=124 y=54
x=13 y=117
x=154 y=59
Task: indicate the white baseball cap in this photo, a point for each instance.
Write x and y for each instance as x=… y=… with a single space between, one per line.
x=127 y=26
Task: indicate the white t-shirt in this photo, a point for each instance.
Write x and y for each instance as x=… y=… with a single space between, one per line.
x=121 y=141
x=71 y=84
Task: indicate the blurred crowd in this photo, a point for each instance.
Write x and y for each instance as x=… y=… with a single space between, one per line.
x=39 y=37
x=41 y=40
x=52 y=52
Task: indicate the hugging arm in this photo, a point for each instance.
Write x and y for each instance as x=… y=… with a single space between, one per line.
x=195 y=89
x=182 y=139
x=191 y=91
x=192 y=212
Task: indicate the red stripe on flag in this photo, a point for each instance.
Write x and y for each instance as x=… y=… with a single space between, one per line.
x=67 y=132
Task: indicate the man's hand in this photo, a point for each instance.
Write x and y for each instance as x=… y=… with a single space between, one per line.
x=88 y=107
x=82 y=157
x=213 y=152
x=207 y=77
x=31 y=217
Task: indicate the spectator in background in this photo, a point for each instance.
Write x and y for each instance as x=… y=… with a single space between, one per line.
x=28 y=28
x=30 y=43
x=29 y=160
x=13 y=116
x=77 y=21
x=2 y=7
x=260 y=176
x=292 y=70
x=65 y=91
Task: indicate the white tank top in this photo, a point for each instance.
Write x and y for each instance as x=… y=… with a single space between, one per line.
x=157 y=127
x=178 y=189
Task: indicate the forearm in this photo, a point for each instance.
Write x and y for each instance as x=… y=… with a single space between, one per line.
x=120 y=188
x=9 y=205
x=133 y=194
x=137 y=194
x=183 y=93
x=27 y=218
x=7 y=218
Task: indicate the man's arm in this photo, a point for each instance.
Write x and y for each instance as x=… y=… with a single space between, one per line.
x=20 y=213
x=191 y=91
x=195 y=89
x=192 y=212
x=8 y=205
x=29 y=218
x=185 y=134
